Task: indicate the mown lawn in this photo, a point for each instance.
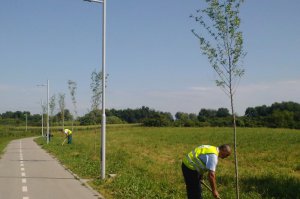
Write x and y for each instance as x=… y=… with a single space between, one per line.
x=147 y=161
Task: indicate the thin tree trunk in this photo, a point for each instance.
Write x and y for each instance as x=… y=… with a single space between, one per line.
x=235 y=148
x=72 y=125
x=234 y=126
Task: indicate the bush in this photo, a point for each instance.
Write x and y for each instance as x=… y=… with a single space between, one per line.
x=157 y=121
x=114 y=120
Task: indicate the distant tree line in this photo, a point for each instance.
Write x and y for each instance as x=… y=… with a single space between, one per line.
x=278 y=115
x=144 y=115
x=283 y=115
x=18 y=118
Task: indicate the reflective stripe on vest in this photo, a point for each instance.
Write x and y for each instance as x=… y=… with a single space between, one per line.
x=192 y=160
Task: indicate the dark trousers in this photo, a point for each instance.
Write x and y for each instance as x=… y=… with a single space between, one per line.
x=192 y=181
x=70 y=139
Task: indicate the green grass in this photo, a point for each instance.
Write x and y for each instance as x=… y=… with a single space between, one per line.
x=3 y=143
x=9 y=133
x=147 y=161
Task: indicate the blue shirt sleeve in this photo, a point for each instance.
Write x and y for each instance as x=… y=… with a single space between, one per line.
x=210 y=160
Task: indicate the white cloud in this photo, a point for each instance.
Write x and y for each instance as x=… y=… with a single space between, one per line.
x=199 y=88
x=193 y=98
x=189 y=100
x=268 y=93
x=5 y=88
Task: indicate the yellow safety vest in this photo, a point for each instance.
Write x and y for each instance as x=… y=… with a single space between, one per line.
x=69 y=132
x=192 y=160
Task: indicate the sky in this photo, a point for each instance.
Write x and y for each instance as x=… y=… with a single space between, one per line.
x=152 y=58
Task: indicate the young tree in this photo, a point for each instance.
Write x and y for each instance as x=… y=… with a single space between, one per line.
x=96 y=86
x=52 y=106
x=223 y=46
x=61 y=103
x=72 y=88
x=96 y=89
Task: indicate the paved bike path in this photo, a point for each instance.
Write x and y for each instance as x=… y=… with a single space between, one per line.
x=28 y=172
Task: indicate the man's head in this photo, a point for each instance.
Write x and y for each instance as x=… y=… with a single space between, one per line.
x=224 y=151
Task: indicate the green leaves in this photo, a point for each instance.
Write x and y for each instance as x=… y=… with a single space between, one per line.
x=223 y=46
x=96 y=86
x=72 y=85
x=223 y=42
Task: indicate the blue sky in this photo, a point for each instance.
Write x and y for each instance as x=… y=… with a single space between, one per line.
x=152 y=57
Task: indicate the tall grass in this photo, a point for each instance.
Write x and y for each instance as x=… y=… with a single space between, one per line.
x=147 y=161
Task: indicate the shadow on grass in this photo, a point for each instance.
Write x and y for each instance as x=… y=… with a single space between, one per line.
x=283 y=187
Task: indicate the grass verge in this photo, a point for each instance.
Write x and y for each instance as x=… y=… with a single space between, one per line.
x=9 y=133
x=147 y=161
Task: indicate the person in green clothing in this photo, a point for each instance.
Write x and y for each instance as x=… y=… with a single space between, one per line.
x=68 y=134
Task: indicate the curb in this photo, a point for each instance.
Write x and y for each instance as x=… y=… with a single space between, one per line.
x=83 y=182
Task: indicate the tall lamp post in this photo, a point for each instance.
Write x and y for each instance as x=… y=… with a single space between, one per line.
x=42 y=113
x=47 y=109
x=103 y=124
x=42 y=105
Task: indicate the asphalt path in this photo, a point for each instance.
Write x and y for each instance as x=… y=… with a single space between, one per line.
x=28 y=172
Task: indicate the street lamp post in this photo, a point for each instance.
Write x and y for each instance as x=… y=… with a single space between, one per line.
x=47 y=109
x=103 y=123
x=42 y=117
x=42 y=105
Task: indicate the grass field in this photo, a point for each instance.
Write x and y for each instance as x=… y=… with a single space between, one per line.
x=147 y=161
x=8 y=133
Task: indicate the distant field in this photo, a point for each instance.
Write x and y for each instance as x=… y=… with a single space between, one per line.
x=147 y=161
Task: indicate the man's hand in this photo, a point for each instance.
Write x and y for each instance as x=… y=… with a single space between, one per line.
x=216 y=194
x=212 y=180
